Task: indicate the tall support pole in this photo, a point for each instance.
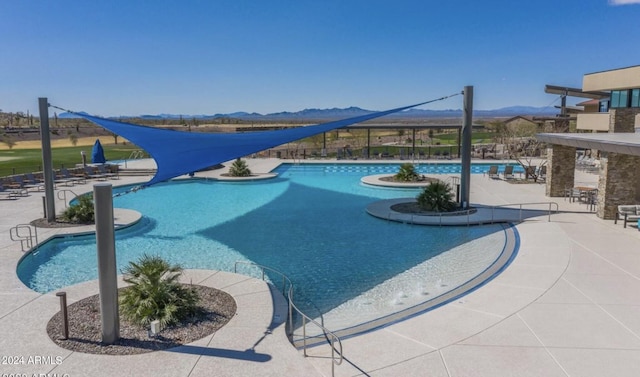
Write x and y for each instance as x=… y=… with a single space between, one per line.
x=465 y=157
x=413 y=144
x=107 y=273
x=47 y=164
x=368 y=143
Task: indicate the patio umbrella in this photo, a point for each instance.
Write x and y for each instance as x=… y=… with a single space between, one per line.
x=97 y=153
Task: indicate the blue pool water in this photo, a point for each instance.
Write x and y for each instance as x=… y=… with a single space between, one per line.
x=309 y=222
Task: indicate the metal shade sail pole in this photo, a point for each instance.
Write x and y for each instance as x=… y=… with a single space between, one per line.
x=107 y=271
x=47 y=164
x=465 y=157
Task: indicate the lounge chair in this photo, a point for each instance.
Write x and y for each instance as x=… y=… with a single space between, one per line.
x=67 y=177
x=107 y=171
x=32 y=181
x=21 y=183
x=12 y=193
x=91 y=173
x=508 y=172
x=493 y=172
x=542 y=172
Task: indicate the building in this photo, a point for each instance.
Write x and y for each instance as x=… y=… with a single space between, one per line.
x=612 y=131
x=623 y=86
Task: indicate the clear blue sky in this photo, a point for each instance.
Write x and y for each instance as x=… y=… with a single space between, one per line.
x=203 y=57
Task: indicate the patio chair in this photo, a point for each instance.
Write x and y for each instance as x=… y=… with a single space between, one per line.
x=627 y=213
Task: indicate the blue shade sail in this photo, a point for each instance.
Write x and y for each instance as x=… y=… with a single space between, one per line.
x=179 y=152
x=97 y=153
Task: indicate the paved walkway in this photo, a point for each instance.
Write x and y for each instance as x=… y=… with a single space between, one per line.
x=568 y=305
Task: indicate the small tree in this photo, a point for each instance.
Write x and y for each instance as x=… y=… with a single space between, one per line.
x=155 y=293
x=8 y=140
x=437 y=196
x=239 y=168
x=73 y=138
x=522 y=146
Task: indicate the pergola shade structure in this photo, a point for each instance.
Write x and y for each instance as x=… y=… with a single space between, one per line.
x=619 y=177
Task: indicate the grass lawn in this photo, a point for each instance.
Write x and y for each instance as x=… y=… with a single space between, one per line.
x=452 y=138
x=20 y=161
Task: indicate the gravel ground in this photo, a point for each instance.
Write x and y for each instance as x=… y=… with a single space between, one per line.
x=85 y=332
x=59 y=223
x=413 y=207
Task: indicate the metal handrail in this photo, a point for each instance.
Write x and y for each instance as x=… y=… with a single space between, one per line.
x=557 y=208
x=289 y=295
x=64 y=196
x=15 y=235
x=137 y=154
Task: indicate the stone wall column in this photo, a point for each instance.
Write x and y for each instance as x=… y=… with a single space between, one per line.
x=561 y=169
x=623 y=119
x=618 y=173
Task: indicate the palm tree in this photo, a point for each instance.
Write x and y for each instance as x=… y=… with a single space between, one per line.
x=155 y=293
x=437 y=196
x=407 y=173
x=239 y=168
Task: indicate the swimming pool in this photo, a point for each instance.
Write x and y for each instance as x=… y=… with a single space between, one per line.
x=309 y=222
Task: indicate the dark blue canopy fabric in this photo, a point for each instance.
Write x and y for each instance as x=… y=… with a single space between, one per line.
x=179 y=152
x=97 y=153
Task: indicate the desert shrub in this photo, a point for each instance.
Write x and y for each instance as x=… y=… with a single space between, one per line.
x=437 y=196
x=239 y=168
x=155 y=293
x=81 y=212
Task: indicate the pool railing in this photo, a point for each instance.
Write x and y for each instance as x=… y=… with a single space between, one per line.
x=416 y=219
x=334 y=340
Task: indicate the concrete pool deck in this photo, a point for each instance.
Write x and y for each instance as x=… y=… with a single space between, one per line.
x=568 y=305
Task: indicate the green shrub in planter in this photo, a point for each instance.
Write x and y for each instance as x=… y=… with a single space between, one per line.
x=81 y=212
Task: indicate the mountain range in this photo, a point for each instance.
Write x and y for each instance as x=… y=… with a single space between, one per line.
x=338 y=113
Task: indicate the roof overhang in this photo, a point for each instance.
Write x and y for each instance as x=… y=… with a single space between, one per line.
x=574 y=92
x=614 y=79
x=621 y=142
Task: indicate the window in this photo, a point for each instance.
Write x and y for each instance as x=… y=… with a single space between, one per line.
x=615 y=98
x=635 y=98
x=620 y=98
x=604 y=106
x=624 y=98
